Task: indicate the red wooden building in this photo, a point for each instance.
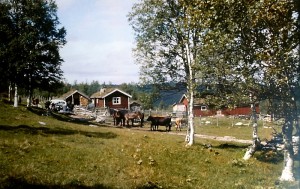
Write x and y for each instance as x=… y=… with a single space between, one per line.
x=112 y=98
x=201 y=109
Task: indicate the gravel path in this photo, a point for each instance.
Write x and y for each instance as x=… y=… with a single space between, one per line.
x=225 y=138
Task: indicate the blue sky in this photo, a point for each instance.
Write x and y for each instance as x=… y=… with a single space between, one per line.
x=99 y=41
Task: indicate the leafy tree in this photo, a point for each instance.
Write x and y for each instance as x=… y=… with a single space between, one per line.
x=243 y=49
x=5 y=28
x=35 y=35
x=282 y=70
x=170 y=37
x=267 y=38
x=93 y=87
x=146 y=100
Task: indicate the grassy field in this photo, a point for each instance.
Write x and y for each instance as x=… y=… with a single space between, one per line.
x=56 y=151
x=227 y=127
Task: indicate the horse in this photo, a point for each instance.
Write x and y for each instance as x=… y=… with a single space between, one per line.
x=134 y=115
x=118 y=116
x=112 y=113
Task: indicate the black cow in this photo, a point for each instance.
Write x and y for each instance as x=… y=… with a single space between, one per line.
x=156 y=121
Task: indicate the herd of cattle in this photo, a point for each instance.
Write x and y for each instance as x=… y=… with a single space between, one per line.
x=123 y=117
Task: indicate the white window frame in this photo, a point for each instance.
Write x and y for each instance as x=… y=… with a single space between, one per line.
x=203 y=108
x=116 y=100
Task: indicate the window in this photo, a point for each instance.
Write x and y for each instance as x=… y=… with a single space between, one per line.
x=203 y=108
x=116 y=100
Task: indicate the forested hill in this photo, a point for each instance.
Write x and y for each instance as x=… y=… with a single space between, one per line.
x=169 y=97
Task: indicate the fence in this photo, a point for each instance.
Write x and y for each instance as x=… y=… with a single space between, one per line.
x=165 y=113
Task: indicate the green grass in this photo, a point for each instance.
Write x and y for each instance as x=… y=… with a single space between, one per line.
x=226 y=127
x=65 y=153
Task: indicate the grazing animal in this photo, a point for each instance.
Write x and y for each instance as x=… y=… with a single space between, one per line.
x=163 y=121
x=134 y=115
x=178 y=123
x=118 y=116
x=112 y=113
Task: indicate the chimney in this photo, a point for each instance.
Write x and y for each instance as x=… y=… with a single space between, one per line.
x=102 y=90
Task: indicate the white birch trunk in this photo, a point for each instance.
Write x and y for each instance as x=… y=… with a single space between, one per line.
x=296 y=143
x=190 y=130
x=29 y=100
x=256 y=142
x=16 y=96
x=287 y=172
x=9 y=92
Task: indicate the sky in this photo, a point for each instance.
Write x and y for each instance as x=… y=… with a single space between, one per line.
x=99 y=41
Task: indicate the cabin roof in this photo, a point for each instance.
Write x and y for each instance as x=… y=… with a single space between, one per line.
x=197 y=101
x=103 y=93
x=71 y=92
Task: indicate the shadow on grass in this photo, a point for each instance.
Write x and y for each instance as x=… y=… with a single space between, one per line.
x=36 y=110
x=56 y=131
x=269 y=156
x=20 y=183
x=260 y=155
x=232 y=146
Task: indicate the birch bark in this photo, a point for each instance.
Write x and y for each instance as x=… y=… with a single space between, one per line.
x=256 y=142
x=16 y=96
x=287 y=130
x=190 y=131
x=10 y=92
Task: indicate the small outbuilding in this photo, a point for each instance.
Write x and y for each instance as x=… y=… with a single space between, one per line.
x=135 y=106
x=76 y=97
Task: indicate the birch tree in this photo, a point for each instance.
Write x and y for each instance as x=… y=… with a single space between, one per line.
x=169 y=44
x=248 y=41
x=280 y=62
x=261 y=32
x=269 y=43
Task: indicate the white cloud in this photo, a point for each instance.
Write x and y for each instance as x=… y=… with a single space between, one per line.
x=99 y=41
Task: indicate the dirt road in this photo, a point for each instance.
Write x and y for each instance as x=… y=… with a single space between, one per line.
x=225 y=138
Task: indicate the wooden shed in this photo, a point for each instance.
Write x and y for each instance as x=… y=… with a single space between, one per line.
x=76 y=97
x=135 y=106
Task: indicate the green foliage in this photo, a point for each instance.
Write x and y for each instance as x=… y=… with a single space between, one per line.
x=31 y=28
x=238 y=47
